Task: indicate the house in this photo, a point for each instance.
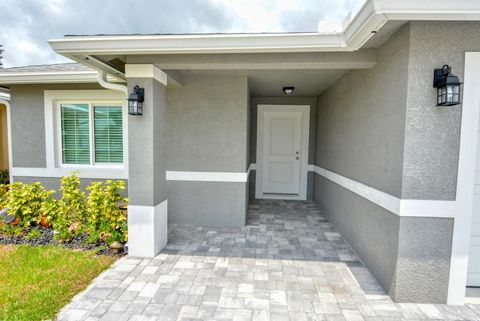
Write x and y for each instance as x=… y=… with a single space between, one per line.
x=361 y=134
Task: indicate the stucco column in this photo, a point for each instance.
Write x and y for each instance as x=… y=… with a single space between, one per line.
x=147 y=215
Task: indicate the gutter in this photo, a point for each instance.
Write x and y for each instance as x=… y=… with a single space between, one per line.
x=102 y=81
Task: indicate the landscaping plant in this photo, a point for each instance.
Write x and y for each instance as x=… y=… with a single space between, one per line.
x=25 y=202
x=68 y=213
x=105 y=221
x=92 y=218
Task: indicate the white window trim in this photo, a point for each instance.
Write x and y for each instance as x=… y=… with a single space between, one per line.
x=54 y=166
x=58 y=133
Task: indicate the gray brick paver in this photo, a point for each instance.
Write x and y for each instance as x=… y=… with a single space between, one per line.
x=287 y=263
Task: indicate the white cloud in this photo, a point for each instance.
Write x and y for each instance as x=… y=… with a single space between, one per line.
x=27 y=25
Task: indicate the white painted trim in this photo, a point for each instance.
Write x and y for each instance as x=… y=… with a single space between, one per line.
x=146 y=71
x=54 y=168
x=147 y=229
x=400 y=207
x=9 y=138
x=227 y=177
x=84 y=172
x=305 y=109
x=465 y=180
x=387 y=201
x=10 y=78
x=371 y=17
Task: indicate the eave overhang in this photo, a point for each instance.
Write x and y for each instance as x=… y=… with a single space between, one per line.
x=369 y=20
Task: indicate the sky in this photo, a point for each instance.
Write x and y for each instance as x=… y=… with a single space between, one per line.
x=26 y=25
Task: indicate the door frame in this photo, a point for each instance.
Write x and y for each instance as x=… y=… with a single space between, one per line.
x=305 y=133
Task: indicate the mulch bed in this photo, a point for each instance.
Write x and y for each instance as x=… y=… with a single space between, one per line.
x=78 y=242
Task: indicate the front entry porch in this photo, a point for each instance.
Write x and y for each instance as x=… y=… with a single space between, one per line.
x=287 y=263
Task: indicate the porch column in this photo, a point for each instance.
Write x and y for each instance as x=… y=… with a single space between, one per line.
x=147 y=215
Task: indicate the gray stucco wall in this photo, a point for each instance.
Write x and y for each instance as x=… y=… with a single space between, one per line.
x=361 y=120
x=423 y=262
x=28 y=122
x=207 y=203
x=54 y=183
x=202 y=126
x=367 y=121
x=290 y=100
x=433 y=133
x=371 y=230
x=147 y=151
x=207 y=122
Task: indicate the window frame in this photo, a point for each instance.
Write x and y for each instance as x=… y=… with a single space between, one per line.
x=91 y=104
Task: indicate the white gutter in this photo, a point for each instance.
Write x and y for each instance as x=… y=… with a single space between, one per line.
x=102 y=80
x=18 y=77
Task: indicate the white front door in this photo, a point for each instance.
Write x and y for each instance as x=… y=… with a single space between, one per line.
x=282 y=151
x=473 y=278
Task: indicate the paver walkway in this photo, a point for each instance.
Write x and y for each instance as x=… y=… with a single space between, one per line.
x=287 y=263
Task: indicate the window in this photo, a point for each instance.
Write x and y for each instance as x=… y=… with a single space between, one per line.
x=91 y=133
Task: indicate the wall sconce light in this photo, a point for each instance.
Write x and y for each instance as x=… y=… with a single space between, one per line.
x=135 y=101
x=288 y=91
x=448 y=86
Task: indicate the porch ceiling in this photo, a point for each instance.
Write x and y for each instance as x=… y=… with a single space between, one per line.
x=270 y=82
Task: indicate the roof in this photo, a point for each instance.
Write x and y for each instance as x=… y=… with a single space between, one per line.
x=348 y=36
x=64 y=67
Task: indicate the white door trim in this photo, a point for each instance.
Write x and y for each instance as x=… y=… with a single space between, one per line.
x=304 y=161
x=465 y=179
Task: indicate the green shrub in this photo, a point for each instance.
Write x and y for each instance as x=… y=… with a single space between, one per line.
x=105 y=221
x=25 y=202
x=3 y=190
x=68 y=213
x=34 y=233
x=97 y=214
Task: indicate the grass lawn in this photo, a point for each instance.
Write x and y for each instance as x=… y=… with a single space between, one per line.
x=37 y=281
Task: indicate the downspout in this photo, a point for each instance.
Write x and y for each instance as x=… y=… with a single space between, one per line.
x=102 y=81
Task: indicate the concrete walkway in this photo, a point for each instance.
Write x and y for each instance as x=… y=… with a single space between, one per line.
x=287 y=263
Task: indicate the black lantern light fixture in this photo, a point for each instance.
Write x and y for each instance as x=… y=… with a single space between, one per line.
x=288 y=90
x=448 y=86
x=135 y=101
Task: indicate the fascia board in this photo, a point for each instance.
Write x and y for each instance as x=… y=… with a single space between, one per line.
x=199 y=43
x=48 y=77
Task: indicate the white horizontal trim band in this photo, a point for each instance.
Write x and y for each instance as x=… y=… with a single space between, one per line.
x=400 y=207
x=207 y=176
x=226 y=177
x=91 y=172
